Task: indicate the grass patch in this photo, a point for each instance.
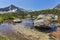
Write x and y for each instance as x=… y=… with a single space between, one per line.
x=4 y=38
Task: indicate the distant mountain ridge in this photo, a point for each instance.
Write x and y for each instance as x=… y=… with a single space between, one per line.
x=12 y=8
x=57 y=7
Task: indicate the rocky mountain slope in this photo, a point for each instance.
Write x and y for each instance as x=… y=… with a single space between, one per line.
x=57 y=7
x=12 y=8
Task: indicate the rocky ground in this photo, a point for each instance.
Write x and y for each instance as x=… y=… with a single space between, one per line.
x=20 y=32
x=32 y=34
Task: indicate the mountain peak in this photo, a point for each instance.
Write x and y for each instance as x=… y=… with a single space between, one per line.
x=12 y=8
x=12 y=5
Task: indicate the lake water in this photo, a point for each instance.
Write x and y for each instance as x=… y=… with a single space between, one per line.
x=7 y=29
x=6 y=26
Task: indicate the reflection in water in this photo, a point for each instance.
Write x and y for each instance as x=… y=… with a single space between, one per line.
x=28 y=23
x=5 y=26
x=10 y=30
x=7 y=30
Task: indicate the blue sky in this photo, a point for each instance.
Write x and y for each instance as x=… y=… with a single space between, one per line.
x=30 y=4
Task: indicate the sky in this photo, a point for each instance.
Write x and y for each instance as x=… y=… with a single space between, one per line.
x=30 y=4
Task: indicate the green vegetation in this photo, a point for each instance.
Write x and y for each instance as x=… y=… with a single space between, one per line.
x=11 y=16
x=3 y=38
x=50 y=11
